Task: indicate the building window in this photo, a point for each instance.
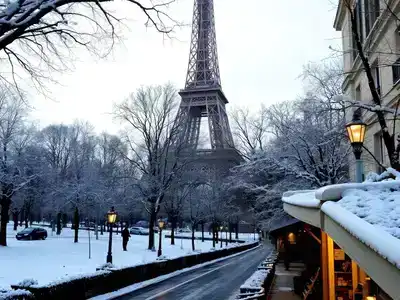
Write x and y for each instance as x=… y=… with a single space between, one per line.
x=358 y=93
x=358 y=29
x=372 y=11
x=396 y=64
x=359 y=21
x=378 y=151
x=396 y=71
x=376 y=76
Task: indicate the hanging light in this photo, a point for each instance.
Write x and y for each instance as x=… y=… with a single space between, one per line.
x=111 y=216
x=356 y=133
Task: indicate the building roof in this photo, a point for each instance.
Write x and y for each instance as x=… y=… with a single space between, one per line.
x=283 y=223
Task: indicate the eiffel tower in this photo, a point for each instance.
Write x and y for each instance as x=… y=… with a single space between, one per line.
x=203 y=99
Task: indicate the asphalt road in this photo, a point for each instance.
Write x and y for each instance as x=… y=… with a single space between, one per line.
x=219 y=281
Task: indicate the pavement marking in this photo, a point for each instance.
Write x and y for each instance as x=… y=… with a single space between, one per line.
x=190 y=280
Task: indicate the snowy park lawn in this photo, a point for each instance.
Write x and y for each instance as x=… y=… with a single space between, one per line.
x=59 y=257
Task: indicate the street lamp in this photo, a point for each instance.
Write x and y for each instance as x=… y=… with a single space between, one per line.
x=356 y=132
x=220 y=229
x=111 y=218
x=226 y=235
x=160 y=226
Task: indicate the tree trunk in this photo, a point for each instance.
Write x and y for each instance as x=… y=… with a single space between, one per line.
x=64 y=220
x=153 y=217
x=193 y=229
x=58 y=223
x=230 y=232
x=15 y=219
x=237 y=231
x=26 y=220
x=202 y=231
x=173 y=227
x=213 y=235
x=21 y=217
x=5 y=207
x=76 y=224
x=101 y=229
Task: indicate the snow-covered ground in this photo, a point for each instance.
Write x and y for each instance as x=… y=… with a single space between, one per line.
x=59 y=257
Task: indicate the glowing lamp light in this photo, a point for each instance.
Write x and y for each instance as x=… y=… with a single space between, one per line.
x=161 y=224
x=111 y=216
x=356 y=131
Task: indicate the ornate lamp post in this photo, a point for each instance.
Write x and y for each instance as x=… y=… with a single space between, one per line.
x=111 y=218
x=356 y=132
x=160 y=226
x=220 y=229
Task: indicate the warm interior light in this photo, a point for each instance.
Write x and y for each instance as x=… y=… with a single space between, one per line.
x=291 y=238
x=370 y=298
x=111 y=216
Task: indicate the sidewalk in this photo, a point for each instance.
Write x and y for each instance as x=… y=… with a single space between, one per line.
x=282 y=288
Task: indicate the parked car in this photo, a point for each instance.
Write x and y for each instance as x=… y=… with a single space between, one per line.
x=184 y=230
x=139 y=231
x=32 y=233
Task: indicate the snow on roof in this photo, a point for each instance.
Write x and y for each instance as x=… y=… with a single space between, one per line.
x=377 y=206
x=304 y=198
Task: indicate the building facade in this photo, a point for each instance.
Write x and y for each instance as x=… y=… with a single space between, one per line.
x=378 y=27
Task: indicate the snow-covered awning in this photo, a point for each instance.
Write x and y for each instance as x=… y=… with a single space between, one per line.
x=363 y=218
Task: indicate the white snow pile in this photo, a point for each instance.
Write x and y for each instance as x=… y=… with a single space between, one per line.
x=304 y=198
x=378 y=206
x=256 y=280
x=7 y=294
x=385 y=176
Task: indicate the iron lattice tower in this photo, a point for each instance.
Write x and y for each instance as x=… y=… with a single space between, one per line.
x=202 y=96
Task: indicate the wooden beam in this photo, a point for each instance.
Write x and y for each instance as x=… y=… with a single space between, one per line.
x=313 y=235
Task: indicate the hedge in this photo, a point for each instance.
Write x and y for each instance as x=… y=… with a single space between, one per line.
x=183 y=237
x=113 y=279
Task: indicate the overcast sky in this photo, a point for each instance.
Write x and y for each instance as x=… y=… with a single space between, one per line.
x=262 y=46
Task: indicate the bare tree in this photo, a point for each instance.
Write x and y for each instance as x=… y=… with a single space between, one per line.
x=46 y=31
x=149 y=114
x=250 y=130
x=174 y=203
x=195 y=206
x=12 y=113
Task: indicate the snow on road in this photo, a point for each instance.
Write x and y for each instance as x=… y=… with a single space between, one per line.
x=59 y=257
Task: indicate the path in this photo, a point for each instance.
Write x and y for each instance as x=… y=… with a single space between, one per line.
x=282 y=288
x=219 y=281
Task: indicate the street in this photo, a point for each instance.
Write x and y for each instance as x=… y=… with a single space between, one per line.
x=218 y=281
